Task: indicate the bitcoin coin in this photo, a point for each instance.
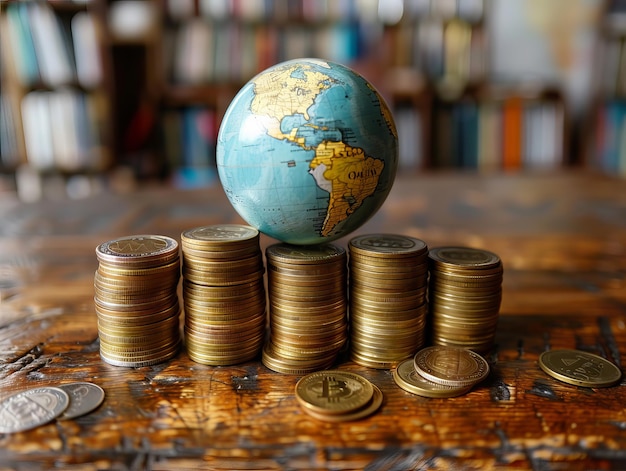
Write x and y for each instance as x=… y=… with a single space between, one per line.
x=372 y=406
x=333 y=392
x=450 y=366
x=579 y=368
x=28 y=409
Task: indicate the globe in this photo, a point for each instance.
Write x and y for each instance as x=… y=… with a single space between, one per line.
x=307 y=151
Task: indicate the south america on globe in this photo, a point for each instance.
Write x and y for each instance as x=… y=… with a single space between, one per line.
x=307 y=151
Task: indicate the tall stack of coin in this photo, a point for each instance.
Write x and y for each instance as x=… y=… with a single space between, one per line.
x=136 y=300
x=307 y=288
x=223 y=294
x=388 y=308
x=465 y=291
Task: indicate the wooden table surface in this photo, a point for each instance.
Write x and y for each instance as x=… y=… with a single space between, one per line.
x=562 y=239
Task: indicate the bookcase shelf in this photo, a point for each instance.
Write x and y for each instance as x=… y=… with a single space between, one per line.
x=607 y=151
x=56 y=87
x=153 y=99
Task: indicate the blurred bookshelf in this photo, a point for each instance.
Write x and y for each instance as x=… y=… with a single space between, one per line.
x=608 y=146
x=56 y=91
x=142 y=85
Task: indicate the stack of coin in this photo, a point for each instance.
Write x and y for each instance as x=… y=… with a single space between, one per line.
x=388 y=308
x=307 y=287
x=465 y=290
x=136 y=300
x=337 y=396
x=223 y=294
x=441 y=371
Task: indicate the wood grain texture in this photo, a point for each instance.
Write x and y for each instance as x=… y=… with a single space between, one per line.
x=562 y=239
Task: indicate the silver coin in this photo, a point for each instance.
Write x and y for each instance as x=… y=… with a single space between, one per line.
x=84 y=398
x=31 y=408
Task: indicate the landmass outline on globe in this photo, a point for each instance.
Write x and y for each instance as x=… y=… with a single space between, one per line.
x=317 y=113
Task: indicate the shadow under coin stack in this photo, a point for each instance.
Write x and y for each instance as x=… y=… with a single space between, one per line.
x=465 y=291
x=388 y=281
x=136 y=300
x=223 y=294
x=308 y=307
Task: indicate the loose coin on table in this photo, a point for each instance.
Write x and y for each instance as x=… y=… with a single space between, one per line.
x=579 y=368
x=84 y=398
x=367 y=410
x=410 y=380
x=28 y=409
x=337 y=396
x=451 y=366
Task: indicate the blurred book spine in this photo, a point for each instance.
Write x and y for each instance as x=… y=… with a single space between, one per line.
x=610 y=145
x=61 y=130
x=189 y=139
x=500 y=134
x=217 y=41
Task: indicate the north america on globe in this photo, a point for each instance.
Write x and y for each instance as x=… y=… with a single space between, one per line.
x=307 y=151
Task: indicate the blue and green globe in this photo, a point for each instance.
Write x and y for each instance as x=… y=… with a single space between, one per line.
x=307 y=151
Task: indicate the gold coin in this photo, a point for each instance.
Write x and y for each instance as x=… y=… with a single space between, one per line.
x=411 y=381
x=170 y=268
x=465 y=257
x=299 y=353
x=333 y=392
x=140 y=360
x=465 y=287
x=248 y=264
x=220 y=234
x=272 y=360
x=579 y=368
x=226 y=358
x=286 y=255
x=138 y=250
x=319 y=270
x=123 y=282
x=136 y=308
x=218 y=254
x=387 y=245
x=373 y=363
x=366 y=411
x=276 y=289
x=400 y=270
x=451 y=366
